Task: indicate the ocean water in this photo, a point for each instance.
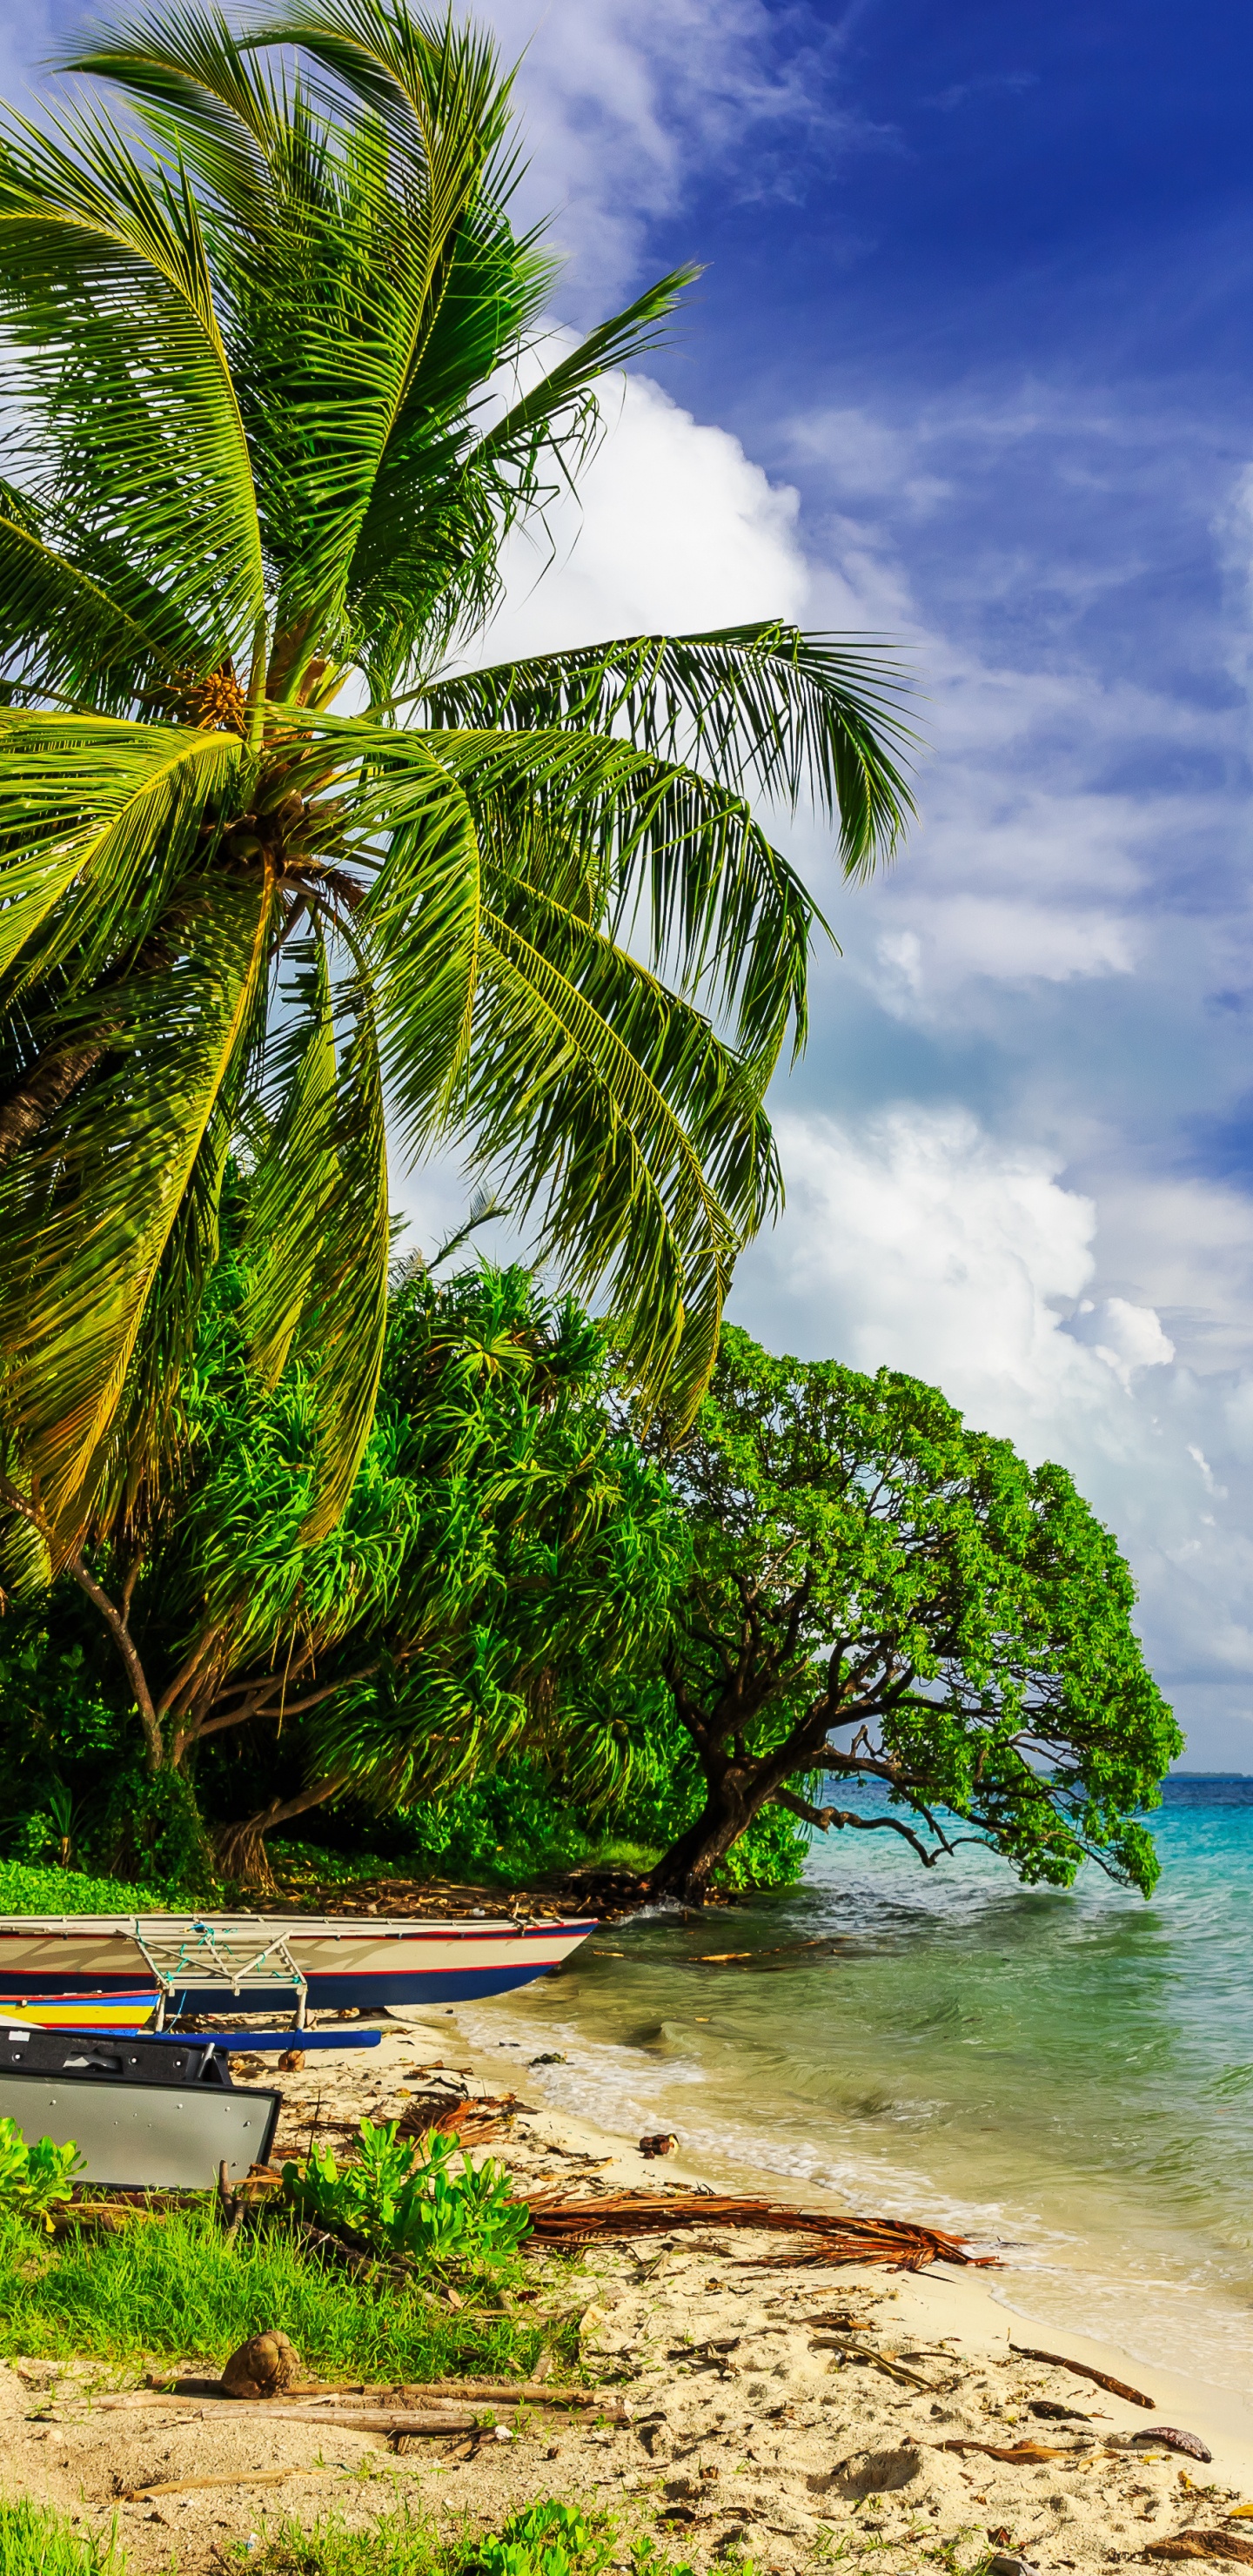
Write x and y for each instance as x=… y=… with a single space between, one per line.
x=1066 y=2076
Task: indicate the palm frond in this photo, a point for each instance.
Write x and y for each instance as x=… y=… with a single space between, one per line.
x=106 y=290
x=63 y=634
x=97 y=820
x=88 y=1219
x=319 y=1225
x=207 y=100
x=610 y=831
x=764 y=708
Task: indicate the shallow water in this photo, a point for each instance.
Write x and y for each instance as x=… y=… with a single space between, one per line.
x=1066 y=2075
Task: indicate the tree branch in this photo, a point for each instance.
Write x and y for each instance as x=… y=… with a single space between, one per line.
x=125 y=1645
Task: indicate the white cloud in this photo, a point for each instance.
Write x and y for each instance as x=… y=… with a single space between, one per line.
x=917 y=1241
x=674 y=528
x=1131 y=1339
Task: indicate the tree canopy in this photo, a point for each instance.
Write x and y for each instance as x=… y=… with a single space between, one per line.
x=507 y=1554
x=832 y=1578
x=887 y=1598
x=280 y=380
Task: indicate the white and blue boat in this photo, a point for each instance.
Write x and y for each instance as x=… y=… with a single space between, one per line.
x=246 y=1962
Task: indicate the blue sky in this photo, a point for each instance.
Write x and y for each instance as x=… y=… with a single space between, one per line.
x=972 y=363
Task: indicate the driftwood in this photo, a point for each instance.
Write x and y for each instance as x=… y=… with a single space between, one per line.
x=1023 y=2451
x=237 y=2478
x=1203 y=2544
x=558 y=2219
x=1059 y=2361
x=278 y=2410
x=486 y=2392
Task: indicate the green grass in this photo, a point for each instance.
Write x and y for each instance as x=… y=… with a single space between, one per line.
x=27 y=1890
x=174 y=2287
x=544 y=2539
x=36 y=2541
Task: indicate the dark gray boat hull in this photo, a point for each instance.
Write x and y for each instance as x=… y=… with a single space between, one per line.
x=155 y=2137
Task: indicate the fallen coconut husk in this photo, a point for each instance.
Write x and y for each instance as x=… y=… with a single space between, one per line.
x=1058 y=2361
x=262 y=2367
x=561 y=2219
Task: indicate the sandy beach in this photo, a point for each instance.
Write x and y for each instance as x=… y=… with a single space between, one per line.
x=787 y=2413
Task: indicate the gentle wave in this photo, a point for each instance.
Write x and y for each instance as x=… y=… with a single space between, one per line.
x=1066 y=2073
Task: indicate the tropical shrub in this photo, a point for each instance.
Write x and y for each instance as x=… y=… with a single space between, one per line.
x=35 y=2179
x=423 y=2201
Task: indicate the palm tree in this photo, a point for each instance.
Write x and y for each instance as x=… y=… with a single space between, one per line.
x=277 y=877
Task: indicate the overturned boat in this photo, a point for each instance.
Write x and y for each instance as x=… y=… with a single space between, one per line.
x=197 y=1963
x=146 y=2113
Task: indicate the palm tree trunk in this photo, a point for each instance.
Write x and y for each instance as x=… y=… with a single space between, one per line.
x=46 y=1088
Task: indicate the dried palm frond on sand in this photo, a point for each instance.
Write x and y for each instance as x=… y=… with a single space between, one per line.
x=559 y=2218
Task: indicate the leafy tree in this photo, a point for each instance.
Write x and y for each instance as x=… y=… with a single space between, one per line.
x=881 y=1595
x=506 y=1554
x=279 y=385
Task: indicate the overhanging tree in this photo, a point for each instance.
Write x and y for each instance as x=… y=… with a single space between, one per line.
x=506 y=1555
x=279 y=385
x=887 y=1598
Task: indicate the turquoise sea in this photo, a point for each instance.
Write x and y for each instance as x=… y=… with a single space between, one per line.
x=1068 y=2076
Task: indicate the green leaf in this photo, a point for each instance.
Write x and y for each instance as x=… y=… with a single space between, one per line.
x=87 y=1220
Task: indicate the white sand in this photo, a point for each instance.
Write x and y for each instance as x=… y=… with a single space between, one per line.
x=753 y=2430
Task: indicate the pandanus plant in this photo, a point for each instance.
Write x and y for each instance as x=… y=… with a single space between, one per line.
x=281 y=876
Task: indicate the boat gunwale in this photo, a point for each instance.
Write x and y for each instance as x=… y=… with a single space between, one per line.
x=321 y=1927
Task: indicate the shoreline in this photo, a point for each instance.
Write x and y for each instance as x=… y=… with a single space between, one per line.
x=1223 y=2418
x=749 y=2432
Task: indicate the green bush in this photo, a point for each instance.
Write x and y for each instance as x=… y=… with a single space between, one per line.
x=24 y=1890
x=547 y=2539
x=408 y=2200
x=34 y=2179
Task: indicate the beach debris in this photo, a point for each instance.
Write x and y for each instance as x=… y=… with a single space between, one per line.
x=558 y=2218
x=291 y=2061
x=472 y=2118
x=263 y=2367
x=1203 y=2544
x=1062 y=2361
x=187 y=2486
x=1025 y=2452
x=1005 y=2563
x=662 y=2143
x=549 y=2057
x=1170 y=2438
x=1055 y=2411
x=887 y=2362
x=444 y=2396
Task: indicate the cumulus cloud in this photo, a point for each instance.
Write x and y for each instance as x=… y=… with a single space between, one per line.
x=917 y=1241
x=673 y=528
